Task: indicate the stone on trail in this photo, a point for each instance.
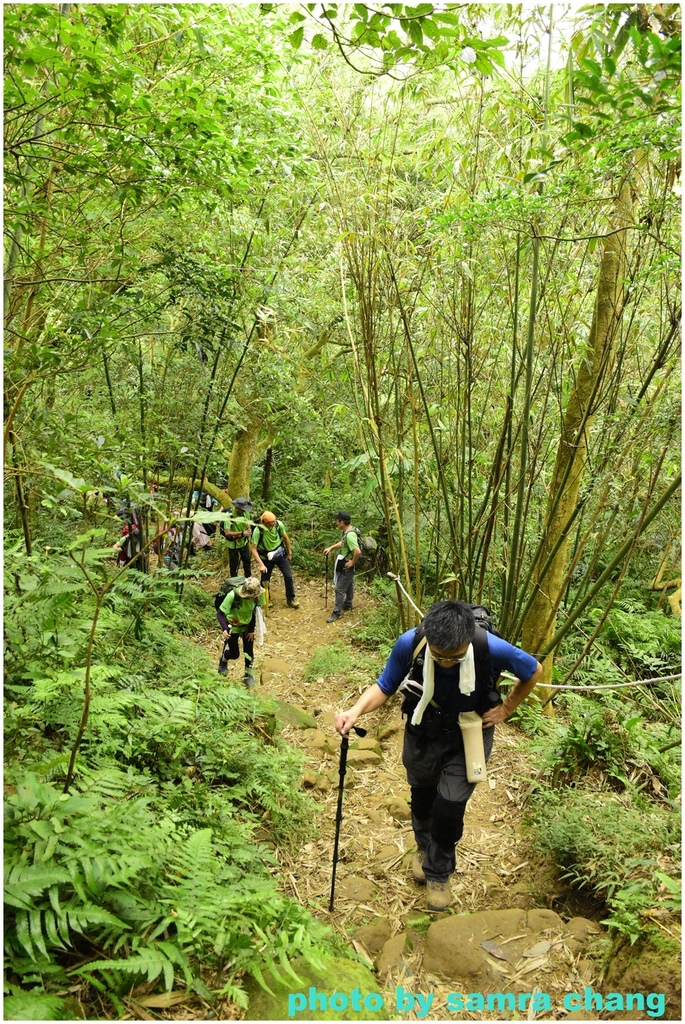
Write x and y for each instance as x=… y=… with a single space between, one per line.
x=399 y=809
x=388 y=852
x=315 y=739
x=375 y=934
x=366 y=743
x=389 y=730
x=355 y=888
x=336 y=975
x=273 y=667
x=363 y=758
x=391 y=954
x=293 y=715
x=309 y=780
x=453 y=944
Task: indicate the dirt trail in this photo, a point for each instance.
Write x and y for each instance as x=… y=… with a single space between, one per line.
x=496 y=867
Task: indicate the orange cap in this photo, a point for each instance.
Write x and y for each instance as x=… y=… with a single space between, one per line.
x=268 y=518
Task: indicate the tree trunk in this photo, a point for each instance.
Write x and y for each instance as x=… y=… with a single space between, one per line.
x=242 y=458
x=549 y=579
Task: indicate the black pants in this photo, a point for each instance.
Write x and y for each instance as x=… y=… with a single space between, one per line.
x=238 y=555
x=231 y=651
x=283 y=563
x=436 y=772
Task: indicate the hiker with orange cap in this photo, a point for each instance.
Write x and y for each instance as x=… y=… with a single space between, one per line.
x=270 y=546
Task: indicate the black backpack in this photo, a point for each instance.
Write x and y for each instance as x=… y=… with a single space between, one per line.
x=481 y=655
x=232 y=583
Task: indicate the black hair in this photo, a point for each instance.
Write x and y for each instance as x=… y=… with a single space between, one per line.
x=449 y=625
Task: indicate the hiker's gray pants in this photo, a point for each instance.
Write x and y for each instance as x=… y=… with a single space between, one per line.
x=344 y=590
x=436 y=772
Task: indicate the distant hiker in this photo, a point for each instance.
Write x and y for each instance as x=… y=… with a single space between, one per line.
x=199 y=538
x=237 y=613
x=270 y=545
x=130 y=544
x=204 y=502
x=447 y=666
x=343 y=572
x=237 y=533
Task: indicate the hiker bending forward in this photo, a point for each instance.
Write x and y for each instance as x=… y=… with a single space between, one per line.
x=343 y=574
x=237 y=615
x=270 y=546
x=454 y=665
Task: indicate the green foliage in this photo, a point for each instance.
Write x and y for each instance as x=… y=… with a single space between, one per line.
x=646 y=643
x=156 y=895
x=328 y=661
x=616 y=848
x=149 y=862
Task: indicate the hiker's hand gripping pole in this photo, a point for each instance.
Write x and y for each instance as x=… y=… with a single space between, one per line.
x=339 y=815
x=398 y=581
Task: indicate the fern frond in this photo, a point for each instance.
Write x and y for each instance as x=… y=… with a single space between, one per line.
x=150 y=962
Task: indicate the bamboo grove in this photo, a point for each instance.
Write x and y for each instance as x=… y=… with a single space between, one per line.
x=494 y=255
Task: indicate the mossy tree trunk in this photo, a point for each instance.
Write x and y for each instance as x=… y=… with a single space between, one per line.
x=242 y=458
x=550 y=577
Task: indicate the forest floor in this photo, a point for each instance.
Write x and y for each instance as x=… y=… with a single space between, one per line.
x=379 y=909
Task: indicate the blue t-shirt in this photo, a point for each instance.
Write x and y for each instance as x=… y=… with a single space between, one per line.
x=504 y=657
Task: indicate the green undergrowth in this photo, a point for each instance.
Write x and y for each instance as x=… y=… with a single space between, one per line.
x=606 y=806
x=148 y=868
x=624 y=849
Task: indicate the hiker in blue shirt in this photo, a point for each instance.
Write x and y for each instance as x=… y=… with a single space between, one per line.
x=445 y=667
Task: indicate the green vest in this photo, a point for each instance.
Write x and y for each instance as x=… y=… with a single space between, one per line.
x=268 y=539
x=237 y=523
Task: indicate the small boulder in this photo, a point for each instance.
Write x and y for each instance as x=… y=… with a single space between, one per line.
x=316 y=740
x=335 y=976
x=363 y=758
x=375 y=934
x=309 y=780
x=356 y=888
x=391 y=954
x=383 y=856
x=366 y=743
x=293 y=715
x=399 y=809
x=389 y=730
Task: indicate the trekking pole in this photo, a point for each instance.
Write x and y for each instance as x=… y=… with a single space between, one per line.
x=325 y=603
x=396 y=579
x=339 y=815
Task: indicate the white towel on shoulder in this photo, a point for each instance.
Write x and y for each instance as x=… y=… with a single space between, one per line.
x=467 y=681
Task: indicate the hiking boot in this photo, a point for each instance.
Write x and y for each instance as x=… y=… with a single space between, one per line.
x=223 y=668
x=333 y=618
x=348 y=608
x=249 y=680
x=293 y=604
x=417 y=867
x=438 y=895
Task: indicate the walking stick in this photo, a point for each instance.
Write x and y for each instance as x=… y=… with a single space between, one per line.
x=325 y=603
x=339 y=814
x=396 y=579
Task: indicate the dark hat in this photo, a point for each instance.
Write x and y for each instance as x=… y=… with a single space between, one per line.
x=344 y=517
x=243 y=503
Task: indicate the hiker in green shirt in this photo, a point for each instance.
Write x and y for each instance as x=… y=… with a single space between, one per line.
x=270 y=545
x=237 y=616
x=343 y=573
x=237 y=533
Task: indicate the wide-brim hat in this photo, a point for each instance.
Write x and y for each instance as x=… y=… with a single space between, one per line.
x=243 y=503
x=251 y=588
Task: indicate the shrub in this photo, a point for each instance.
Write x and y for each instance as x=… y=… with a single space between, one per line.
x=625 y=850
